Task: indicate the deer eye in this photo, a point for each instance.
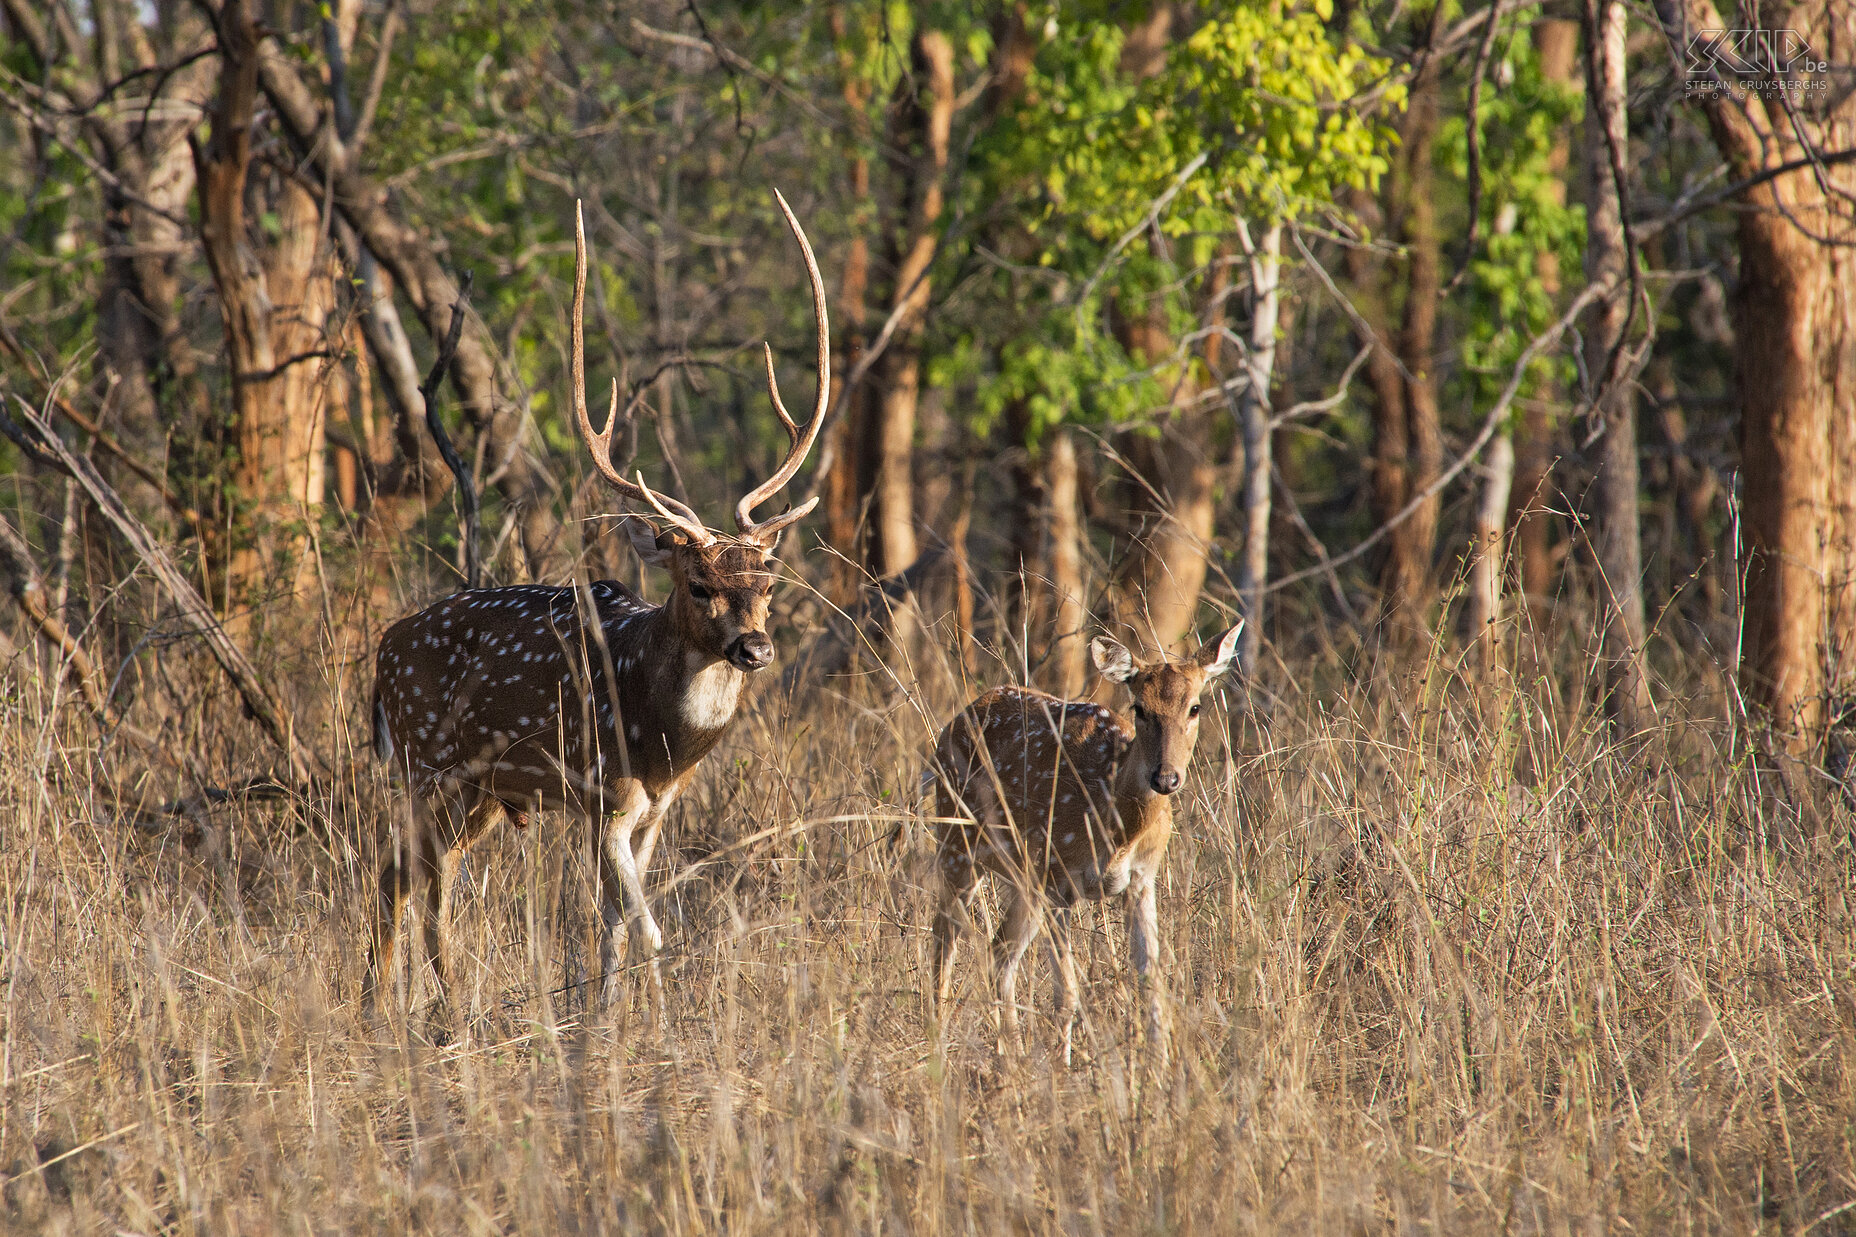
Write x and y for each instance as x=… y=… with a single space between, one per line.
x=701 y=592
x=1193 y=711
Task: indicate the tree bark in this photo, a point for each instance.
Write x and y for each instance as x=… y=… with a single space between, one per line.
x=1066 y=655
x=1794 y=313
x=1256 y=410
x=1485 y=567
x=921 y=122
x=1408 y=447
x=419 y=274
x=1557 y=42
x=1162 y=573
x=1615 y=546
x=272 y=308
x=843 y=491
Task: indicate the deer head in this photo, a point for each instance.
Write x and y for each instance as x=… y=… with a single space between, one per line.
x=1166 y=707
x=721 y=583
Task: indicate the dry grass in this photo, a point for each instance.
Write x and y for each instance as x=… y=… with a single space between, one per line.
x=1407 y=992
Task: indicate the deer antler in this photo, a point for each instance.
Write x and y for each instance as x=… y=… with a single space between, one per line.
x=600 y=443
x=800 y=444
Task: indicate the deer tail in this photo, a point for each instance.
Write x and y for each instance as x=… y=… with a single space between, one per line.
x=383 y=736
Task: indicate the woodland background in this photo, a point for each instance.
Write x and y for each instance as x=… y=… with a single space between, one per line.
x=1395 y=319
x=1496 y=361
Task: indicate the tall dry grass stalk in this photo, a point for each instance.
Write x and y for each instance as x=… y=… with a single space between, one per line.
x=1408 y=991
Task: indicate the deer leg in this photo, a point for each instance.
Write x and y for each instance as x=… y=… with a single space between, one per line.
x=1143 y=951
x=1063 y=971
x=395 y=887
x=959 y=883
x=1008 y=948
x=397 y=877
x=622 y=894
x=441 y=856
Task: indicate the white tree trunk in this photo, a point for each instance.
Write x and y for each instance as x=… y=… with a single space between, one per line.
x=1265 y=258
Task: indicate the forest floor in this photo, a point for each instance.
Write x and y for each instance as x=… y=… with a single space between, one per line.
x=1438 y=957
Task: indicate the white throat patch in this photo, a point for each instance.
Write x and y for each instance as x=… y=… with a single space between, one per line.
x=709 y=701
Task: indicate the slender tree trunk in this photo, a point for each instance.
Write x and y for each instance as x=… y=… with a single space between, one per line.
x=843 y=493
x=1066 y=657
x=922 y=119
x=966 y=660
x=1557 y=42
x=1256 y=411
x=1407 y=582
x=1485 y=568
x=1407 y=442
x=1615 y=544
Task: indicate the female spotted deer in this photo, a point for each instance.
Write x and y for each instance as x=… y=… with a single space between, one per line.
x=582 y=698
x=1065 y=800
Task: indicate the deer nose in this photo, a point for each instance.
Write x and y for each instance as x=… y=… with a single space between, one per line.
x=753 y=651
x=1165 y=781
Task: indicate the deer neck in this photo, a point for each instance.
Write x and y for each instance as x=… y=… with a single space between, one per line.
x=1136 y=804
x=690 y=696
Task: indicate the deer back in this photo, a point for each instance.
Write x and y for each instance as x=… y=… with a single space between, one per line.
x=1038 y=773
x=513 y=693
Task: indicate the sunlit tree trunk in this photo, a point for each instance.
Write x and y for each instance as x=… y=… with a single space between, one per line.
x=1162 y=572
x=1485 y=568
x=1794 y=311
x=273 y=309
x=1615 y=546
x=500 y=423
x=1157 y=584
x=921 y=121
x=1256 y=411
x=1067 y=653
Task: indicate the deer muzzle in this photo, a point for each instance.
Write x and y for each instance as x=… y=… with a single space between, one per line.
x=751 y=651
x=1164 y=781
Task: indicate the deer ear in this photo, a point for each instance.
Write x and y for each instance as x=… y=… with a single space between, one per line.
x=1216 y=655
x=652 y=548
x=1112 y=659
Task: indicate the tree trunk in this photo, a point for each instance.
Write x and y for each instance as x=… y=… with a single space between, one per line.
x=1557 y=42
x=1795 y=369
x=1066 y=655
x=1256 y=411
x=1485 y=567
x=272 y=309
x=1407 y=444
x=843 y=493
x=1413 y=463
x=416 y=269
x=921 y=120
x=1616 y=550
x=1162 y=573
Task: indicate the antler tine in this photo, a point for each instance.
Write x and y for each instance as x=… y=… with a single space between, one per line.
x=800 y=444
x=599 y=443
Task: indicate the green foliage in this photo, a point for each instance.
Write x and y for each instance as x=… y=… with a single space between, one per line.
x=1263 y=91
x=1524 y=216
x=1262 y=94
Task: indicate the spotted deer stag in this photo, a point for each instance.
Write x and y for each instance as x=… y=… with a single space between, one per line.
x=1065 y=800
x=583 y=698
